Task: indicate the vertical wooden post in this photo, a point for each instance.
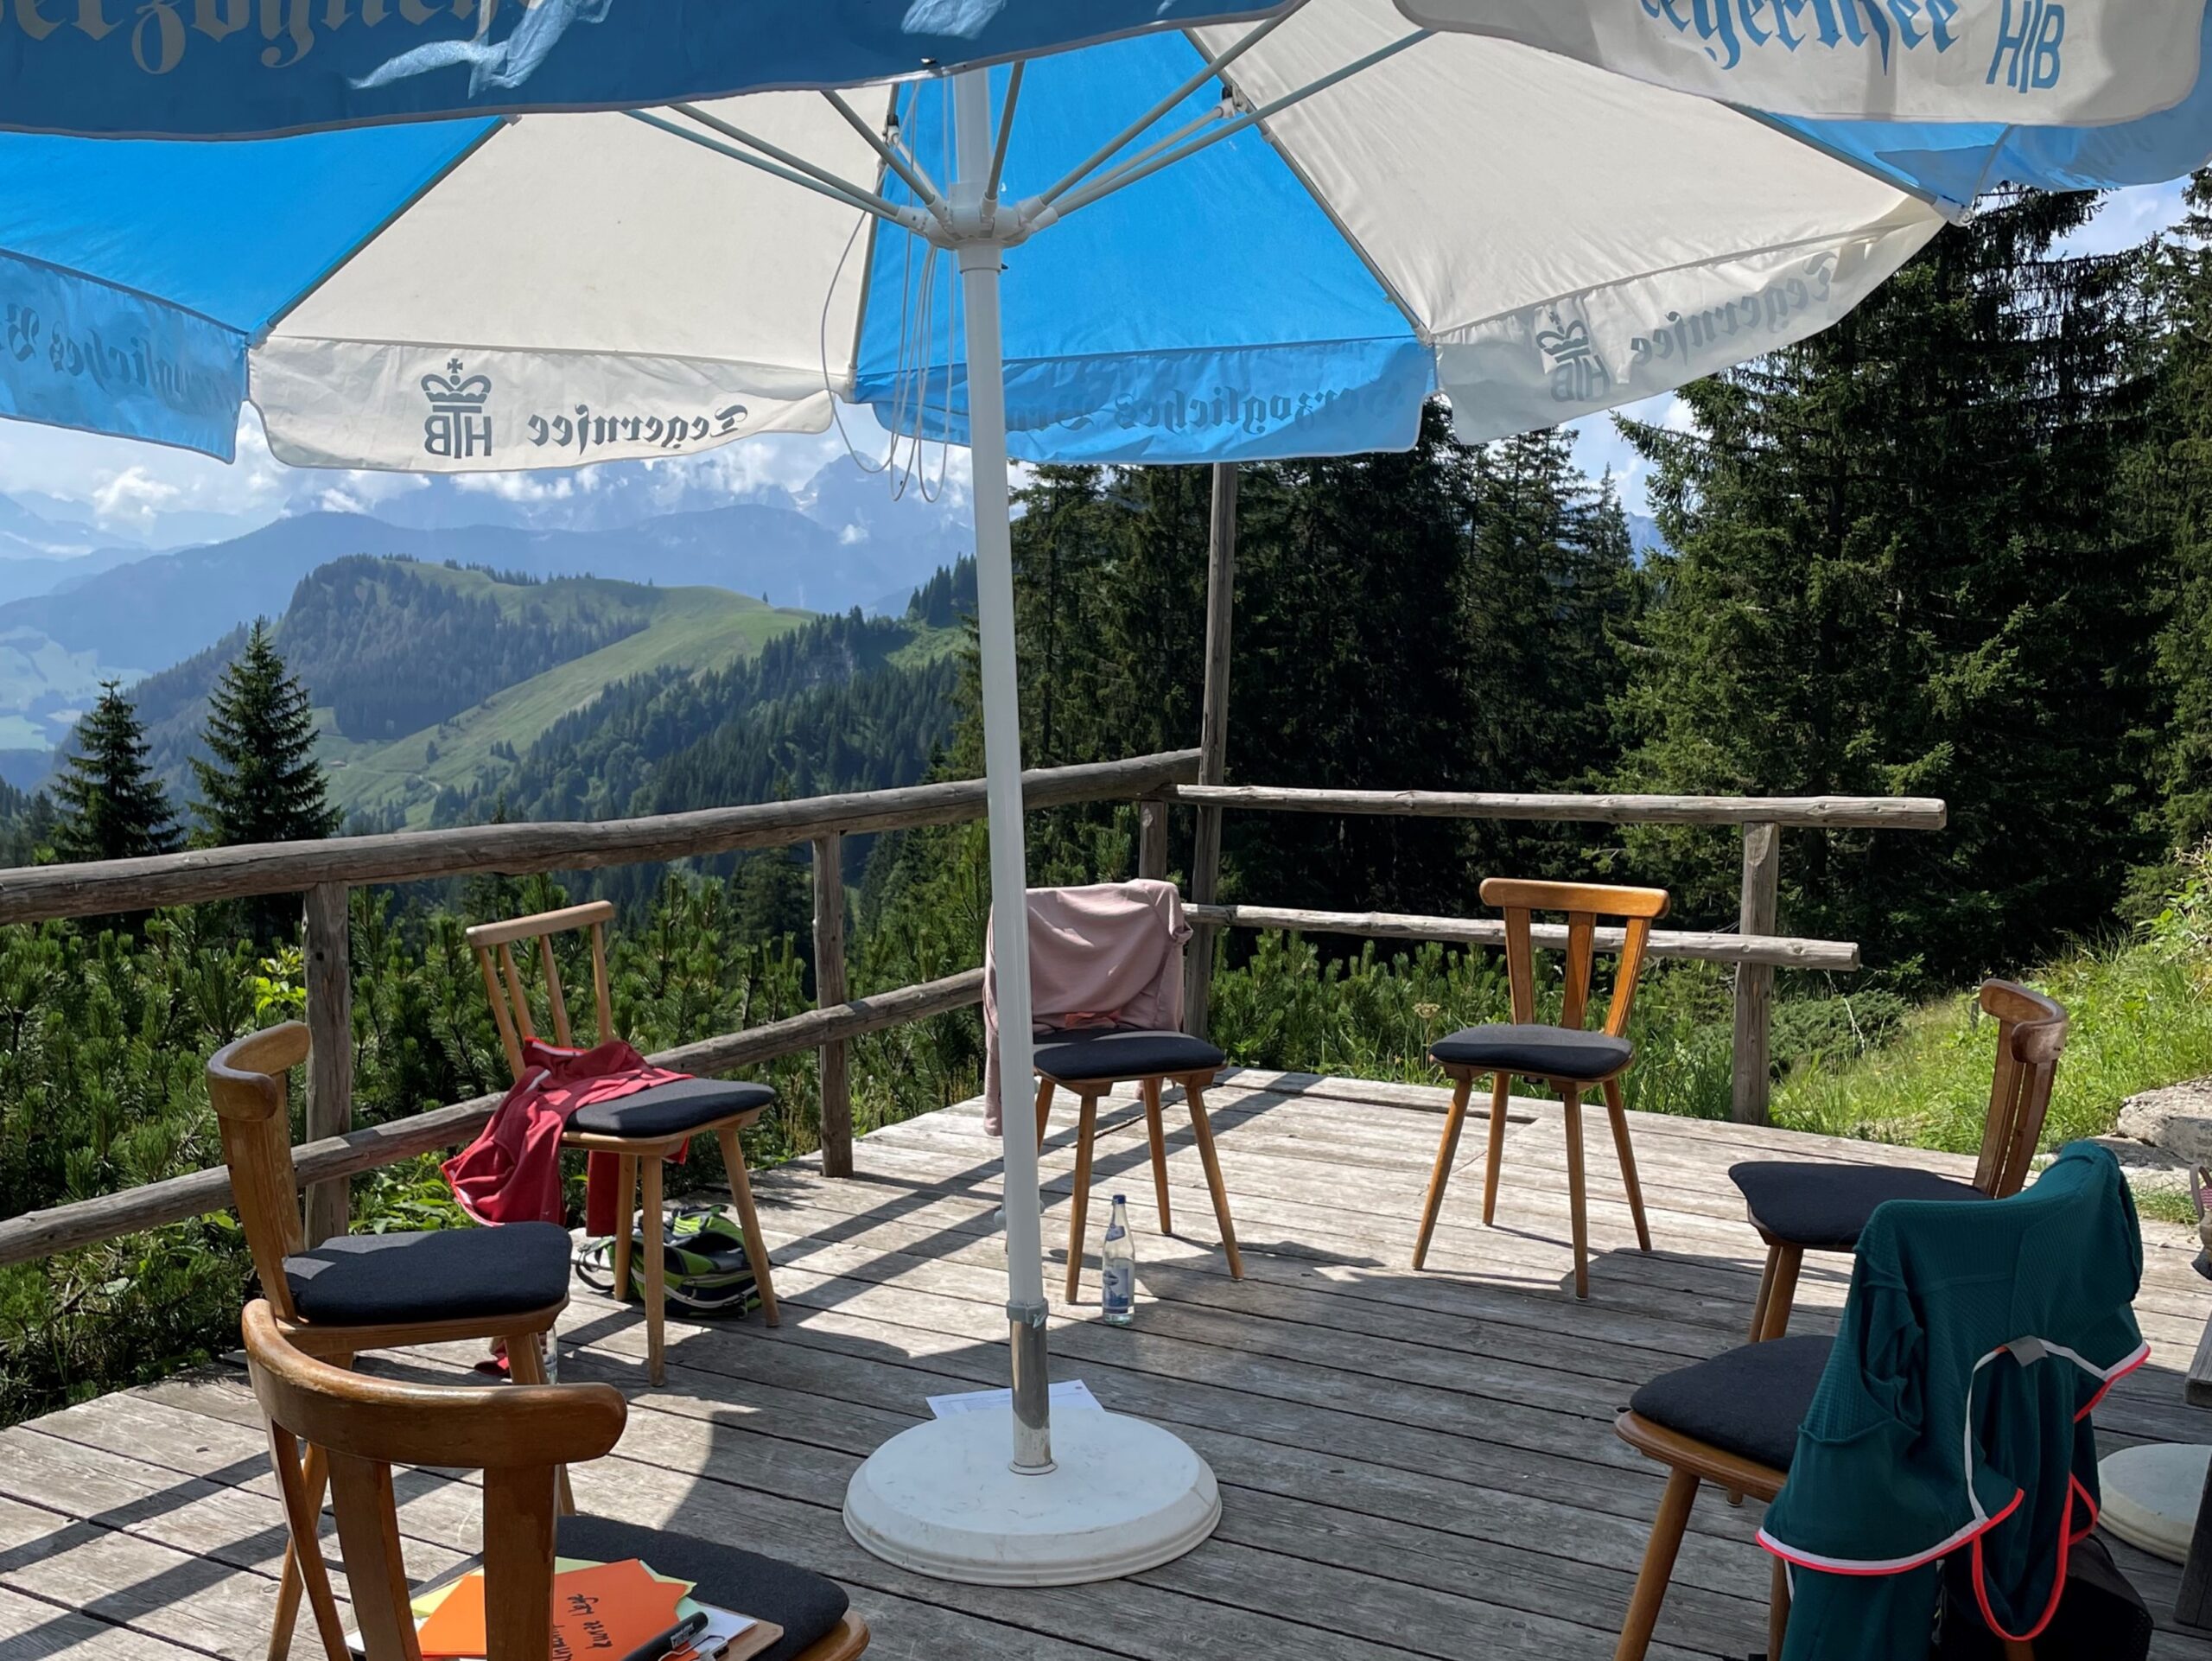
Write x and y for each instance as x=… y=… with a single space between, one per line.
x=1754 y=982
x=1213 y=740
x=330 y=1055
x=1152 y=840
x=830 y=988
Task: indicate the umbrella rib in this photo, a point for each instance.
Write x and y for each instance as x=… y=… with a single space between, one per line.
x=837 y=190
x=924 y=189
x=1207 y=71
x=1005 y=128
x=1131 y=172
x=821 y=175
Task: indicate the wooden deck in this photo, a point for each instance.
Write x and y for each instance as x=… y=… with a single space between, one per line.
x=1410 y=1465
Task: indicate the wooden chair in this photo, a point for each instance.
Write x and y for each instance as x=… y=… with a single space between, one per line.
x=1799 y=1206
x=338 y=1297
x=1566 y=1057
x=641 y=1130
x=520 y=1439
x=1090 y=1064
x=1731 y=1421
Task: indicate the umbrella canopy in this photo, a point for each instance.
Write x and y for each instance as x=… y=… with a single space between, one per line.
x=1522 y=232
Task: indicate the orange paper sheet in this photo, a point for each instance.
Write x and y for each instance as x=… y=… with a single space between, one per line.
x=599 y=1614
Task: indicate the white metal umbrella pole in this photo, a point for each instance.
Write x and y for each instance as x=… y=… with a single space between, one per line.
x=980 y=255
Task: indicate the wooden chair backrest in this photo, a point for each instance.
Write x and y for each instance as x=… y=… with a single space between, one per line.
x=2032 y=1033
x=517 y=1435
x=246 y=1083
x=509 y=995
x=1585 y=903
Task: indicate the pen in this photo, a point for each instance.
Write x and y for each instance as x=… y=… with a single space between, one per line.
x=675 y=1640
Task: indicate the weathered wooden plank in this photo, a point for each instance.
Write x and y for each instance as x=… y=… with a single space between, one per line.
x=41 y=1233
x=34 y=1629
x=1752 y=1086
x=1784 y=951
x=1831 y=812
x=832 y=1058
x=330 y=1057
x=28 y=893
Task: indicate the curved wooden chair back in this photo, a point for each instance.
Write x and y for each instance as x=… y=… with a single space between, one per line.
x=1585 y=904
x=247 y=1085
x=510 y=993
x=519 y=1435
x=2031 y=1032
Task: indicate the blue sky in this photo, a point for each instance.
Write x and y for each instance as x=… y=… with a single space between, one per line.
x=132 y=491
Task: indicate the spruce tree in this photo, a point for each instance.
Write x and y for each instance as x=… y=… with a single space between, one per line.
x=1904 y=563
x=261 y=781
x=2175 y=474
x=113 y=805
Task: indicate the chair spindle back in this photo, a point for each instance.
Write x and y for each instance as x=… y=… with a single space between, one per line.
x=1585 y=903
x=2031 y=1032
x=247 y=1085
x=517 y=1435
x=510 y=994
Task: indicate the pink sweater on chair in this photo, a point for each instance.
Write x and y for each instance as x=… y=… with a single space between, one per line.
x=1108 y=955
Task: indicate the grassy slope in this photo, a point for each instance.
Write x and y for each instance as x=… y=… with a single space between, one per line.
x=2142 y=1017
x=696 y=628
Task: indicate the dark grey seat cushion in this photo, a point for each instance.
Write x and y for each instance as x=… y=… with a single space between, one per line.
x=1535 y=1051
x=671 y=1109
x=1749 y=1402
x=1826 y=1207
x=366 y=1280
x=1109 y=1054
x=807 y=1606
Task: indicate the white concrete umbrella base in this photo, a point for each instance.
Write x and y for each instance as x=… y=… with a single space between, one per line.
x=2150 y=1495
x=941 y=1499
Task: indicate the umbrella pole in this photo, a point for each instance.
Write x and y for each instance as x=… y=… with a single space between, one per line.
x=1116 y=1495
x=1026 y=1310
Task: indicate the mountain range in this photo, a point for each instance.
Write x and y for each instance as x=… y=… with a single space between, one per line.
x=70 y=619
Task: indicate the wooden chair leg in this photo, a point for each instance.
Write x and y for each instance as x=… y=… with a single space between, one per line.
x=1079 y=1201
x=756 y=1247
x=1777 y=1609
x=656 y=1273
x=1577 y=1205
x=314 y=1476
x=1044 y=1110
x=625 y=1222
x=1501 y=1086
x=1156 y=1130
x=1447 y=1147
x=1202 y=1128
x=1616 y=1111
x=1766 y=1291
x=1787 y=1260
x=526 y=1364
x=1666 y=1531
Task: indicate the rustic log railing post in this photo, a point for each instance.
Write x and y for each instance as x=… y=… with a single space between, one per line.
x=330 y=1056
x=833 y=1058
x=1213 y=740
x=1151 y=839
x=1753 y=1084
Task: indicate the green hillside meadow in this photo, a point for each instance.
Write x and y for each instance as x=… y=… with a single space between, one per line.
x=687 y=628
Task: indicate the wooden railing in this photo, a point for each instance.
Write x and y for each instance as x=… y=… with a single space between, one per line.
x=1755 y=950
x=325 y=872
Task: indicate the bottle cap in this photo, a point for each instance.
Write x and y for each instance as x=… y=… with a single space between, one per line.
x=1121 y=1200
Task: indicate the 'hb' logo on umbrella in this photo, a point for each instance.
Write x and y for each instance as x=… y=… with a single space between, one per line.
x=457 y=426
x=1578 y=373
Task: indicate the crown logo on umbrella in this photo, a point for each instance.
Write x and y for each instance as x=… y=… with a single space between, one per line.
x=1561 y=342
x=449 y=391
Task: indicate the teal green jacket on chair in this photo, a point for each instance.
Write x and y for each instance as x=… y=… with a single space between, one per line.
x=1953 y=1414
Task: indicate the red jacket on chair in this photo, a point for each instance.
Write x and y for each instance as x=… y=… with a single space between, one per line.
x=511 y=1172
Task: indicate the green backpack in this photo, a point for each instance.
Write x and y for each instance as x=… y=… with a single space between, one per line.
x=704 y=1252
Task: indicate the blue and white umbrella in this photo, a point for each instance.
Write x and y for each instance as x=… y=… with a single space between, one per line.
x=508 y=235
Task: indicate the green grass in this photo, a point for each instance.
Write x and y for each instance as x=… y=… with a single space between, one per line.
x=2142 y=1017
x=694 y=628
